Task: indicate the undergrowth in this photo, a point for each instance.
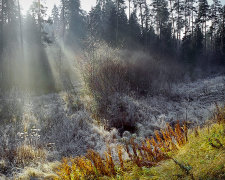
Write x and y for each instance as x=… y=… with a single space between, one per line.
x=142 y=154
x=173 y=153
x=108 y=72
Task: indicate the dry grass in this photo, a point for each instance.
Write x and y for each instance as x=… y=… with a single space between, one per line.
x=198 y=159
x=153 y=150
x=42 y=171
x=167 y=155
x=173 y=153
x=145 y=154
x=27 y=154
x=202 y=157
x=219 y=115
x=24 y=155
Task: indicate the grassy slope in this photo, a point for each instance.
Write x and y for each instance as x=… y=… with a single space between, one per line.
x=203 y=160
x=203 y=157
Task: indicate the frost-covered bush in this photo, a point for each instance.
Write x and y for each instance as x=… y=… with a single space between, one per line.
x=151 y=75
x=72 y=135
x=122 y=113
x=189 y=102
x=127 y=113
x=62 y=125
x=49 y=122
x=111 y=76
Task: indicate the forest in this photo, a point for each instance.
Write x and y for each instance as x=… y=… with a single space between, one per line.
x=130 y=89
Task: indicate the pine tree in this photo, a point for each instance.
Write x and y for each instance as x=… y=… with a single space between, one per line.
x=222 y=36
x=203 y=18
x=56 y=20
x=38 y=11
x=134 y=30
x=73 y=17
x=95 y=22
x=172 y=19
x=161 y=15
x=179 y=7
x=214 y=17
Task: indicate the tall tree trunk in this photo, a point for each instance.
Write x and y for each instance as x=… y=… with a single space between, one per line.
x=21 y=29
x=62 y=46
x=185 y=18
x=211 y=42
x=178 y=22
x=117 y=22
x=39 y=18
x=146 y=24
x=223 y=31
x=192 y=18
x=63 y=21
x=142 y=19
x=8 y=12
x=205 y=34
x=129 y=8
x=171 y=11
x=1 y=28
x=1 y=42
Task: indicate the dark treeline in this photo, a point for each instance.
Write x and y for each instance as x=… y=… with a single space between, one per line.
x=191 y=32
x=186 y=30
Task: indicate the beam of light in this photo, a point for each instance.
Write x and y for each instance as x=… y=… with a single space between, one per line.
x=25 y=5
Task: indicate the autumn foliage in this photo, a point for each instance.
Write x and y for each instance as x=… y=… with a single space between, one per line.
x=144 y=154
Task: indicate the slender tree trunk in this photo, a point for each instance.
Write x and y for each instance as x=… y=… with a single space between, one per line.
x=160 y=30
x=189 y=17
x=142 y=20
x=1 y=42
x=61 y=47
x=146 y=24
x=173 y=23
x=205 y=34
x=21 y=29
x=223 y=31
x=8 y=11
x=178 y=22
x=185 y=18
x=129 y=8
x=192 y=18
x=211 y=42
x=171 y=11
x=63 y=21
x=39 y=18
x=212 y=35
x=117 y=22
x=1 y=28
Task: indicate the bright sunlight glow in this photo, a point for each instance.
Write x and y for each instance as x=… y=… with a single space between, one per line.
x=25 y=4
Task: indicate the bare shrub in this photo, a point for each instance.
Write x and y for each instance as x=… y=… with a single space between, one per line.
x=107 y=72
x=104 y=77
x=151 y=75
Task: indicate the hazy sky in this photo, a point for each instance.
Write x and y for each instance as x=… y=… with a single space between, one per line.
x=85 y=4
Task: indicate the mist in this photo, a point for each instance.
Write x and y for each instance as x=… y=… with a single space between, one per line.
x=87 y=94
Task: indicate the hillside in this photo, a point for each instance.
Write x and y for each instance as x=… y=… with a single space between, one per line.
x=199 y=154
x=60 y=124
x=112 y=89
